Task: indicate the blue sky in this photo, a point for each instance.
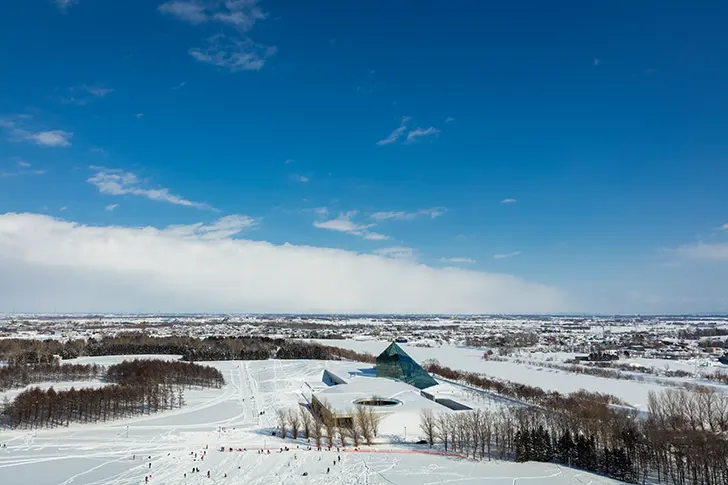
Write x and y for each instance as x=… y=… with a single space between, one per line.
x=568 y=156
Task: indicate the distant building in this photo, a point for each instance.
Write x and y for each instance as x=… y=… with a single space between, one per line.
x=395 y=363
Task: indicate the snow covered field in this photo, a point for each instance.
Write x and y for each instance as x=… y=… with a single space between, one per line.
x=118 y=452
x=633 y=393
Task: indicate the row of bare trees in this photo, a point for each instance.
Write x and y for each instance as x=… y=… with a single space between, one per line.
x=141 y=387
x=359 y=425
x=683 y=440
x=20 y=375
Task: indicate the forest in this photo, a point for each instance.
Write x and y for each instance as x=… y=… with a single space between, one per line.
x=682 y=440
x=23 y=351
x=135 y=387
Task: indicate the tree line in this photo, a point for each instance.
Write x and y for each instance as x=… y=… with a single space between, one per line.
x=140 y=387
x=683 y=439
x=23 y=351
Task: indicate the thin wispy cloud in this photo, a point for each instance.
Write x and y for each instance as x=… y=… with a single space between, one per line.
x=458 y=260
x=99 y=151
x=111 y=181
x=232 y=53
x=396 y=252
x=418 y=134
x=397 y=133
x=84 y=94
x=222 y=228
x=506 y=255
x=22 y=171
x=180 y=85
x=19 y=132
x=703 y=251
x=300 y=178
x=23 y=164
x=596 y=62
x=345 y=224
x=139 y=116
x=724 y=226
x=449 y=119
x=64 y=5
x=111 y=207
x=236 y=52
x=508 y=201
x=405 y=216
x=240 y=14
x=289 y=161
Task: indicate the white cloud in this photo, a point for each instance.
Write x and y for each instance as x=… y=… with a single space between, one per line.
x=508 y=201
x=321 y=211
x=222 y=228
x=84 y=94
x=111 y=207
x=23 y=164
x=724 y=226
x=54 y=138
x=397 y=133
x=139 y=116
x=395 y=252
x=704 y=251
x=18 y=132
x=100 y=151
x=180 y=85
x=449 y=119
x=290 y=160
x=50 y=264
x=300 y=178
x=64 y=5
x=458 y=260
x=343 y=223
x=506 y=255
x=405 y=216
x=63 y=208
x=418 y=134
x=394 y=136
x=188 y=11
x=118 y=182
x=241 y=14
x=233 y=54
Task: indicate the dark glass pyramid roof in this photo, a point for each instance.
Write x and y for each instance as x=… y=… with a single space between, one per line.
x=395 y=363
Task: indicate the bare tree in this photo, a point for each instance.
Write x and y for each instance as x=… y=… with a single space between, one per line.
x=282 y=417
x=428 y=425
x=294 y=419
x=306 y=421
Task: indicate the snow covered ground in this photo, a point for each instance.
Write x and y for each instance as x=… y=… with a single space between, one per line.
x=469 y=359
x=120 y=452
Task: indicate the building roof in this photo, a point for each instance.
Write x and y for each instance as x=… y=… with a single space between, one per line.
x=395 y=363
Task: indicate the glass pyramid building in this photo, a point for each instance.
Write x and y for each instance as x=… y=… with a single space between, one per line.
x=394 y=363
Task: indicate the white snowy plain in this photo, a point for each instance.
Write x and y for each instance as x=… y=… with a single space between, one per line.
x=120 y=452
x=633 y=392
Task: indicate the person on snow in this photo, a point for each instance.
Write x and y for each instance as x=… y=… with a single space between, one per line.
x=328 y=470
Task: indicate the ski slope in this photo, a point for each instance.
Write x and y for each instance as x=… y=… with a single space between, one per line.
x=241 y=415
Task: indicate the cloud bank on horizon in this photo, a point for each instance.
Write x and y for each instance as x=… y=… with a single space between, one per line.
x=50 y=264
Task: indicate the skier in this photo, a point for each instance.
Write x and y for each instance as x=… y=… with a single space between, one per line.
x=328 y=470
